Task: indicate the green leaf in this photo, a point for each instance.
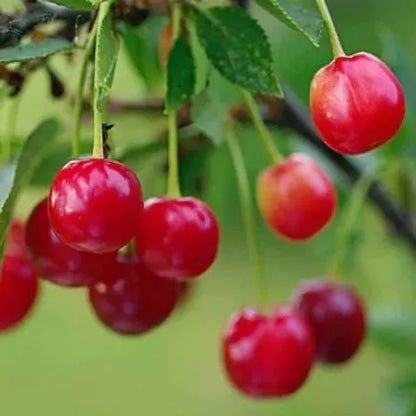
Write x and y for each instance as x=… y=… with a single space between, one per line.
x=142 y=45
x=75 y=4
x=394 y=332
x=193 y=171
x=200 y=58
x=238 y=48
x=106 y=53
x=181 y=75
x=305 y=20
x=16 y=176
x=400 y=397
x=209 y=115
x=34 y=50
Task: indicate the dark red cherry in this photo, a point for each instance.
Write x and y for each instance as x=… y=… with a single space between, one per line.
x=337 y=316
x=296 y=197
x=177 y=238
x=18 y=281
x=56 y=261
x=95 y=205
x=268 y=356
x=131 y=300
x=357 y=103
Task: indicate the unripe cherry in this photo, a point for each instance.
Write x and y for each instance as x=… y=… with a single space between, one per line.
x=268 y=356
x=357 y=103
x=165 y=44
x=296 y=197
x=336 y=315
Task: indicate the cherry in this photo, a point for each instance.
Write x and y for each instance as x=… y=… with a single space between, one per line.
x=337 y=316
x=56 y=261
x=296 y=197
x=165 y=44
x=177 y=238
x=268 y=356
x=357 y=103
x=95 y=205
x=18 y=281
x=131 y=300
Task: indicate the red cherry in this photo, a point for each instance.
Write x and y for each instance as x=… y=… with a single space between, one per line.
x=18 y=281
x=95 y=205
x=296 y=197
x=177 y=238
x=56 y=261
x=357 y=103
x=268 y=356
x=337 y=316
x=131 y=300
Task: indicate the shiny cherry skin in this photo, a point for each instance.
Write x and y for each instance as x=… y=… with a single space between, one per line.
x=56 y=261
x=268 y=356
x=296 y=197
x=337 y=316
x=95 y=205
x=131 y=300
x=177 y=238
x=357 y=103
x=18 y=281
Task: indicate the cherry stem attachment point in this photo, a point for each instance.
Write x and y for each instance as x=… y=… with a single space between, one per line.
x=248 y=214
x=173 y=176
x=261 y=127
x=79 y=97
x=351 y=212
x=337 y=48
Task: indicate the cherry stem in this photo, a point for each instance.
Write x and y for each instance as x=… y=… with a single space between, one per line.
x=248 y=214
x=260 y=126
x=100 y=104
x=79 y=97
x=173 y=177
x=10 y=127
x=351 y=212
x=337 y=48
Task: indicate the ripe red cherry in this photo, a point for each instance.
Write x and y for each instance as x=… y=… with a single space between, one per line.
x=131 y=300
x=337 y=316
x=177 y=238
x=296 y=197
x=18 y=281
x=357 y=103
x=95 y=205
x=268 y=356
x=56 y=261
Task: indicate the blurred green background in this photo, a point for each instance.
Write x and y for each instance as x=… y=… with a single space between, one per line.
x=63 y=362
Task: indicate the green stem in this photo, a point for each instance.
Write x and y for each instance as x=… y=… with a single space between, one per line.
x=100 y=104
x=10 y=126
x=79 y=98
x=173 y=178
x=352 y=210
x=262 y=129
x=330 y=27
x=248 y=215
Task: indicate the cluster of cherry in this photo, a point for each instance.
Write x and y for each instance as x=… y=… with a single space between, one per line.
x=135 y=258
x=82 y=236
x=357 y=104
